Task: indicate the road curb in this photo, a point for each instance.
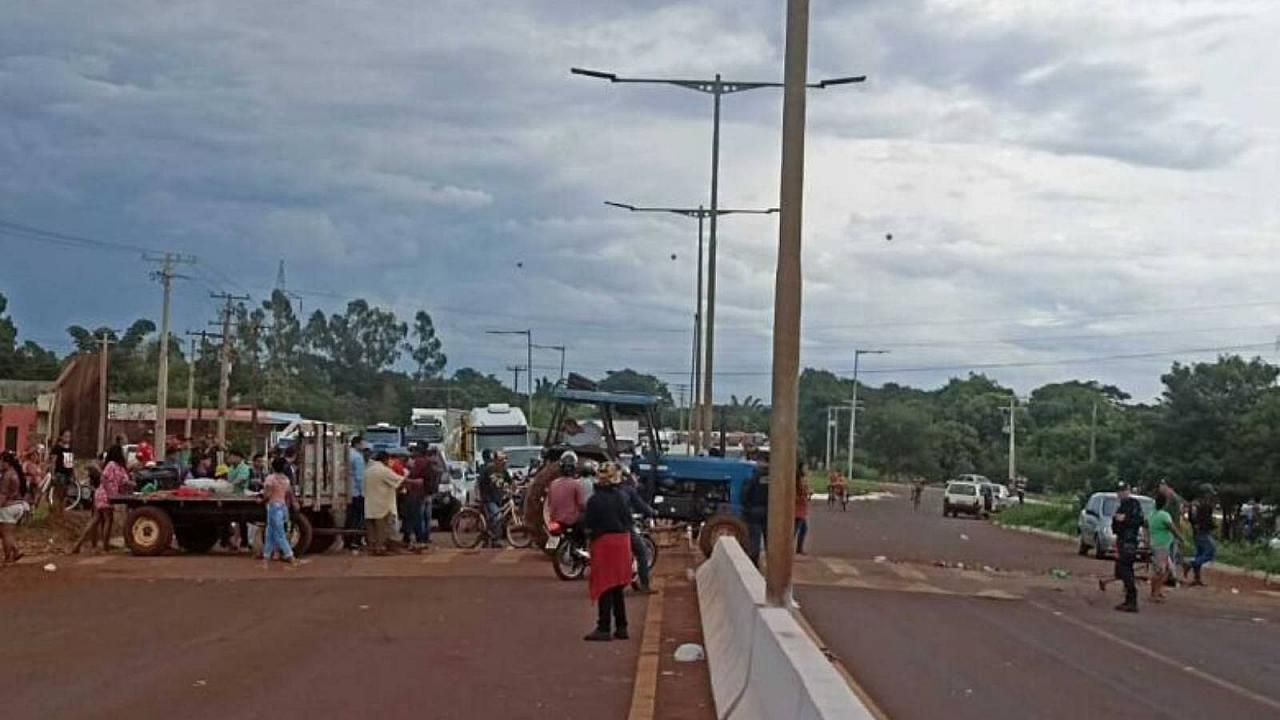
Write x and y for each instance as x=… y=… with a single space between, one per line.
x=1216 y=567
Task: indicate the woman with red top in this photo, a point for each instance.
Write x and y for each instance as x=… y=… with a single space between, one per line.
x=802 y=507
x=608 y=519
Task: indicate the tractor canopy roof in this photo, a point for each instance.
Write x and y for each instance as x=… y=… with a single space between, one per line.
x=600 y=397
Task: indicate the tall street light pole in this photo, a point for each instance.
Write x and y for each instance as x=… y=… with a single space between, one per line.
x=853 y=407
x=716 y=87
x=561 y=349
x=701 y=213
x=528 y=336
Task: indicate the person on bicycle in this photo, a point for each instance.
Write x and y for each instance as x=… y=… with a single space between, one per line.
x=493 y=478
x=631 y=490
x=838 y=487
x=917 y=490
x=567 y=498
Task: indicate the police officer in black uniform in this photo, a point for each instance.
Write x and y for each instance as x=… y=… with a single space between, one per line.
x=1126 y=524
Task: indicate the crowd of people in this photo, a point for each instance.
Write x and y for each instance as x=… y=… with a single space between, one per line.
x=1166 y=535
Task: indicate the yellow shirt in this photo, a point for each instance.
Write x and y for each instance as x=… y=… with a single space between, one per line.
x=380 y=484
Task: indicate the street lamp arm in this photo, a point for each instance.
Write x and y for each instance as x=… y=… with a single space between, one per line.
x=594 y=73
x=838 y=81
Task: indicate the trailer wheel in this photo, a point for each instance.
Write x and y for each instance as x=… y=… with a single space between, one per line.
x=148 y=531
x=718 y=526
x=197 y=538
x=321 y=542
x=300 y=533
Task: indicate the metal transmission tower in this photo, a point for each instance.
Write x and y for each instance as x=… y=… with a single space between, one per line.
x=166 y=275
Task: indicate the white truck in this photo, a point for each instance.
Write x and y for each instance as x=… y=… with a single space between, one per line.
x=427 y=425
x=494 y=427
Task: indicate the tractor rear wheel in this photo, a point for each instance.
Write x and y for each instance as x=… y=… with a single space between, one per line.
x=148 y=531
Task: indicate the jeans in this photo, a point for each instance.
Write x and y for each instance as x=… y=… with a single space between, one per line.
x=425 y=535
x=491 y=517
x=802 y=531
x=276 y=539
x=611 y=603
x=412 y=524
x=1205 y=552
x=641 y=554
x=355 y=521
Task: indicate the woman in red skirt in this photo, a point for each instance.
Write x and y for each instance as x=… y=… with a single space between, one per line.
x=608 y=519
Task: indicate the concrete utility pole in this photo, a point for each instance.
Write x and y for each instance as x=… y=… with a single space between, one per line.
x=853 y=406
x=716 y=87
x=166 y=276
x=788 y=287
x=699 y=425
x=1093 y=434
x=191 y=382
x=528 y=336
x=1013 y=438
x=104 y=357
x=561 y=349
x=224 y=375
x=515 y=380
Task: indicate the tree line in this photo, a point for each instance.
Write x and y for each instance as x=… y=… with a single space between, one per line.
x=1215 y=422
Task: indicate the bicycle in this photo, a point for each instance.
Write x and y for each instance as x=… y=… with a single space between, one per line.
x=469 y=526
x=839 y=494
x=46 y=491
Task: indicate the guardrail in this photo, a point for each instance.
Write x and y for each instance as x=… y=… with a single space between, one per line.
x=763 y=664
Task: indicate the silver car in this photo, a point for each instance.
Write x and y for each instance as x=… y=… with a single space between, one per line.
x=1095 y=521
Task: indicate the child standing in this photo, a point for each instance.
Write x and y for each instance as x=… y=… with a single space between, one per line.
x=275 y=493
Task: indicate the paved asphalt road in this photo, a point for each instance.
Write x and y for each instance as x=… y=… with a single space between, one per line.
x=450 y=634
x=931 y=640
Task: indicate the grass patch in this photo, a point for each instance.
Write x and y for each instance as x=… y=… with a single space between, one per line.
x=818 y=484
x=1055 y=518
x=1250 y=556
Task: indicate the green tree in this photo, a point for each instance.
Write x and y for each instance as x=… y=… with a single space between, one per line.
x=425 y=349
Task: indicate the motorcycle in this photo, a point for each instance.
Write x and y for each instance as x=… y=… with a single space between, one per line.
x=571 y=556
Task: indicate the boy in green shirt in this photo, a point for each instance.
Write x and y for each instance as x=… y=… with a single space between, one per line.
x=1162 y=530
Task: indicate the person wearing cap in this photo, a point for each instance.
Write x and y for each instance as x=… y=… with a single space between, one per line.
x=493 y=477
x=608 y=519
x=1126 y=524
x=1202 y=525
x=380 y=486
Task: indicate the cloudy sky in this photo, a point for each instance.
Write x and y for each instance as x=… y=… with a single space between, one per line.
x=1082 y=189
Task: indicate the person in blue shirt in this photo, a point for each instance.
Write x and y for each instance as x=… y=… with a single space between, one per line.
x=355 y=509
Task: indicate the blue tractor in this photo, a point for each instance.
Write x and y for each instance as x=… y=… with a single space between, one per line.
x=706 y=493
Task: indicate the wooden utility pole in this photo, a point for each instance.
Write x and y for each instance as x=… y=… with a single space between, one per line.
x=224 y=375
x=515 y=370
x=788 y=286
x=104 y=358
x=166 y=276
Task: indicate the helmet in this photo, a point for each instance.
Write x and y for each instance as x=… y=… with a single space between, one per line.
x=589 y=467
x=569 y=461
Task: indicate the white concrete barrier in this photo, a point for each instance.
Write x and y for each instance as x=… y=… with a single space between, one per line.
x=763 y=665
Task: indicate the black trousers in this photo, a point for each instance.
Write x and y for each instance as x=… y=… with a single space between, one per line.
x=1126 y=554
x=355 y=521
x=612 y=604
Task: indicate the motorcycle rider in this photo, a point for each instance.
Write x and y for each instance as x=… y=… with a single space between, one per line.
x=631 y=490
x=567 y=498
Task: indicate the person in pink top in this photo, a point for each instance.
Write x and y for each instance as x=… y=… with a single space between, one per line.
x=275 y=493
x=108 y=483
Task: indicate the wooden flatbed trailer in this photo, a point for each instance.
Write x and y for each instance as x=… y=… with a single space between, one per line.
x=157 y=519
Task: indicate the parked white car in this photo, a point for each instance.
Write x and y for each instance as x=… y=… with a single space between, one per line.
x=961 y=497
